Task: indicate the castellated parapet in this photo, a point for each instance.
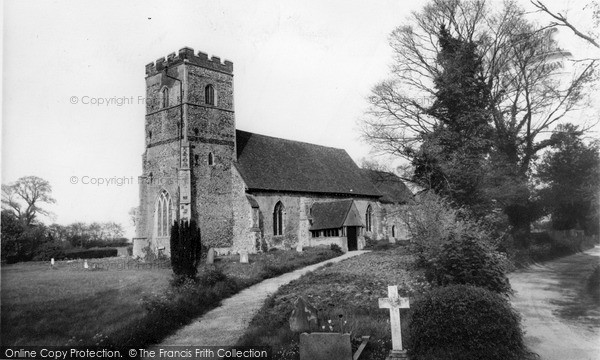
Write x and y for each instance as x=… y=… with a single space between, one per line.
x=187 y=55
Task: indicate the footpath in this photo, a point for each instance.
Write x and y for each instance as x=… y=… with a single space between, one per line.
x=224 y=325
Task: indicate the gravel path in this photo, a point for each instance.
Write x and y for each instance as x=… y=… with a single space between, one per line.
x=224 y=325
x=540 y=292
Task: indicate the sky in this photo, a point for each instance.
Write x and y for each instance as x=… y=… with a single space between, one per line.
x=302 y=71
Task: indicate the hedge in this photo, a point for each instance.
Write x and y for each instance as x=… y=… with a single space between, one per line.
x=90 y=253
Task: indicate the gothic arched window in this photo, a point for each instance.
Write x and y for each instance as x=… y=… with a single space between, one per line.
x=165 y=97
x=369 y=218
x=163 y=214
x=393 y=231
x=278 y=219
x=211 y=159
x=209 y=95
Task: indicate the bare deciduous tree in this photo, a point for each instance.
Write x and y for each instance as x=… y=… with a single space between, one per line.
x=25 y=196
x=561 y=20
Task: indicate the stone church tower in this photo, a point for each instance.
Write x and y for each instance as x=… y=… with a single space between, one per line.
x=190 y=149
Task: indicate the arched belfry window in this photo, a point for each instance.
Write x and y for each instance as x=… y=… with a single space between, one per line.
x=278 y=219
x=163 y=214
x=369 y=218
x=209 y=95
x=165 y=97
x=211 y=160
x=393 y=231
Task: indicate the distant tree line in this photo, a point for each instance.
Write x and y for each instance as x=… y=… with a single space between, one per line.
x=25 y=237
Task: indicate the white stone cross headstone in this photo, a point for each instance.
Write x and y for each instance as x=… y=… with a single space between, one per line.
x=52 y=262
x=394 y=303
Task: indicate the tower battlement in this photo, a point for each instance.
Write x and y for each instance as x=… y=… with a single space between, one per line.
x=187 y=55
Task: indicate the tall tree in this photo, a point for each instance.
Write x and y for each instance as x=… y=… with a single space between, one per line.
x=528 y=93
x=25 y=196
x=571 y=175
x=452 y=157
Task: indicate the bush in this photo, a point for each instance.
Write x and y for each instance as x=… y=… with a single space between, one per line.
x=336 y=248
x=117 y=242
x=211 y=275
x=465 y=322
x=47 y=251
x=369 y=242
x=469 y=262
x=90 y=253
x=432 y=221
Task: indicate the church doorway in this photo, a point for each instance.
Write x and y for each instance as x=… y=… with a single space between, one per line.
x=352 y=236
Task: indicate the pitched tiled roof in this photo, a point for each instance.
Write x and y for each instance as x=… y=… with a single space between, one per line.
x=329 y=215
x=268 y=163
x=390 y=186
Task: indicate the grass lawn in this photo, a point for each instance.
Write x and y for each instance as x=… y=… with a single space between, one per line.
x=113 y=303
x=350 y=288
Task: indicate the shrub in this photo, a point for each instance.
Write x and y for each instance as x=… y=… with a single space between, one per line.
x=211 y=275
x=336 y=248
x=465 y=322
x=382 y=245
x=90 y=253
x=432 y=220
x=468 y=261
x=369 y=242
x=47 y=251
x=186 y=248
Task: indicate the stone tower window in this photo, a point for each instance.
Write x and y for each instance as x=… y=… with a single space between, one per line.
x=211 y=159
x=278 y=219
x=369 y=218
x=165 y=97
x=163 y=214
x=209 y=95
x=393 y=231
x=196 y=158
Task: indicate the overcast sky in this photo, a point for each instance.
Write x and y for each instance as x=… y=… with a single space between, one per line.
x=302 y=72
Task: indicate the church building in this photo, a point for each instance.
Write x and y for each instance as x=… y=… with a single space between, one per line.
x=248 y=191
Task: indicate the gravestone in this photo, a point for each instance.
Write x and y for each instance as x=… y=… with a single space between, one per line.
x=325 y=346
x=244 y=257
x=85 y=264
x=52 y=262
x=303 y=316
x=395 y=303
x=210 y=256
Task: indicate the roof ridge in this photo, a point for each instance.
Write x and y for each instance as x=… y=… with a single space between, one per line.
x=295 y=141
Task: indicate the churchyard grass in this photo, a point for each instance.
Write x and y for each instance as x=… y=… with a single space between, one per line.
x=350 y=288
x=119 y=301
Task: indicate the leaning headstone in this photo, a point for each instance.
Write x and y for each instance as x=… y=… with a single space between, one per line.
x=244 y=257
x=395 y=303
x=210 y=256
x=303 y=316
x=85 y=264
